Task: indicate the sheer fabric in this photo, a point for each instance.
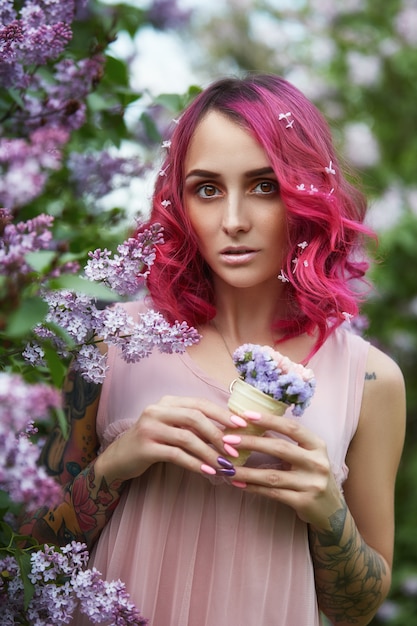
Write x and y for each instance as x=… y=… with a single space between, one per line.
x=195 y=551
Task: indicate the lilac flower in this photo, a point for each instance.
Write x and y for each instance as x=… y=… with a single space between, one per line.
x=19 y=239
x=20 y=476
x=275 y=375
x=60 y=586
x=167 y=14
x=24 y=164
x=97 y=174
x=125 y=272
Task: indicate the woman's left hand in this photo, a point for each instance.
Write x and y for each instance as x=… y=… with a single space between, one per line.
x=307 y=485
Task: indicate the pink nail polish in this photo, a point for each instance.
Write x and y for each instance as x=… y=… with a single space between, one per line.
x=233 y=439
x=239 y=483
x=230 y=450
x=207 y=469
x=254 y=416
x=238 y=421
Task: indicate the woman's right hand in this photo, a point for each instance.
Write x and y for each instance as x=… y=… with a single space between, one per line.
x=180 y=430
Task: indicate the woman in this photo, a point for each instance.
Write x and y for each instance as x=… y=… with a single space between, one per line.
x=264 y=244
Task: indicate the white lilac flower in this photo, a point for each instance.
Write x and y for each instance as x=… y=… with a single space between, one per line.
x=275 y=375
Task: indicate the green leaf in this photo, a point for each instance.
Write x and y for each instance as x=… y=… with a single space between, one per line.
x=172 y=101
x=23 y=559
x=55 y=364
x=41 y=260
x=31 y=312
x=82 y=285
x=62 y=422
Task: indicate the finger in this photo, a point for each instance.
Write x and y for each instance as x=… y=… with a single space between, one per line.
x=291 y=428
x=205 y=407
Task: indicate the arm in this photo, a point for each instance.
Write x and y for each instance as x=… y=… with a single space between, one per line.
x=87 y=499
x=351 y=536
x=352 y=554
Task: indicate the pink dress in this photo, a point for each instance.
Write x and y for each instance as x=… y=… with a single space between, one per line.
x=195 y=551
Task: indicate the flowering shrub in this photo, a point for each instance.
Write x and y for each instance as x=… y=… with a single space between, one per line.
x=62 y=91
x=60 y=584
x=276 y=375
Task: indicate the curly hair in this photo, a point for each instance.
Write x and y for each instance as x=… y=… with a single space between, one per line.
x=326 y=233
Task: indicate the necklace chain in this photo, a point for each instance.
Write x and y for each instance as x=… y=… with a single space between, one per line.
x=222 y=338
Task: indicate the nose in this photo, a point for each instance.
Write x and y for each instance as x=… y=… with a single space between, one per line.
x=235 y=216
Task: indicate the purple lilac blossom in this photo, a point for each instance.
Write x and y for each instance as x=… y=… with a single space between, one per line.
x=24 y=164
x=277 y=377
x=125 y=272
x=20 y=476
x=97 y=174
x=19 y=239
x=61 y=584
x=78 y=315
x=164 y=14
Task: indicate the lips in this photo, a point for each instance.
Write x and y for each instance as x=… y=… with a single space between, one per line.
x=238 y=255
x=238 y=251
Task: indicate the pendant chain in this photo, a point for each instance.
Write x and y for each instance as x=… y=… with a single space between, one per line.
x=222 y=337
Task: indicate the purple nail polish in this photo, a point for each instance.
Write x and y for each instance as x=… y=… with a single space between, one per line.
x=224 y=462
x=226 y=472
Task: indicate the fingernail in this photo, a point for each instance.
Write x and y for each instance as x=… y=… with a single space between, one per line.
x=252 y=415
x=226 y=472
x=233 y=439
x=207 y=469
x=231 y=451
x=240 y=484
x=238 y=421
x=224 y=462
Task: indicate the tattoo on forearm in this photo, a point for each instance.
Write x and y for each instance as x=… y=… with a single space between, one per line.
x=60 y=456
x=348 y=572
x=83 y=512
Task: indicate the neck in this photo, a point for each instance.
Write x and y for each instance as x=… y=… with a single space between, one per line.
x=244 y=316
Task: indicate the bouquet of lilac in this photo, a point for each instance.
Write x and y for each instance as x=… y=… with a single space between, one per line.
x=275 y=375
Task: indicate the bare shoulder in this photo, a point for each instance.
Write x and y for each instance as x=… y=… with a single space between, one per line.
x=383 y=403
x=382 y=373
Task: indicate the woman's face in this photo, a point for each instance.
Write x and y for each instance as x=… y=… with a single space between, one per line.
x=233 y=201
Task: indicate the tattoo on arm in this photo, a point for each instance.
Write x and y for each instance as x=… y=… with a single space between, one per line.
x=349 y=574
x=82 y=514
x=370 y=376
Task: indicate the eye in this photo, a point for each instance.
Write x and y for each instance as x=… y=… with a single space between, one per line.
x=266 y=187
x=207 y=191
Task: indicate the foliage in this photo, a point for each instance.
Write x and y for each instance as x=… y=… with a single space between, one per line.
x=63 y=138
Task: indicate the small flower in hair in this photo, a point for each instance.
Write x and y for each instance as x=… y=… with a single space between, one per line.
x=303 y=245
x=165 y=203
x=166 y=144
x=313 y=189
x=305 y=263
x=176 y=120
x=347 y=316
x=286 y=116
x=163 y=172
x=282 y=277
x=301 y=187
x=330 y=169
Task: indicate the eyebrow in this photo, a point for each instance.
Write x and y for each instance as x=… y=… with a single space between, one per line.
x=262 y=171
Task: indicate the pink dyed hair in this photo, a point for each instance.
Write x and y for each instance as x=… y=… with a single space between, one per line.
x=323 y=209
